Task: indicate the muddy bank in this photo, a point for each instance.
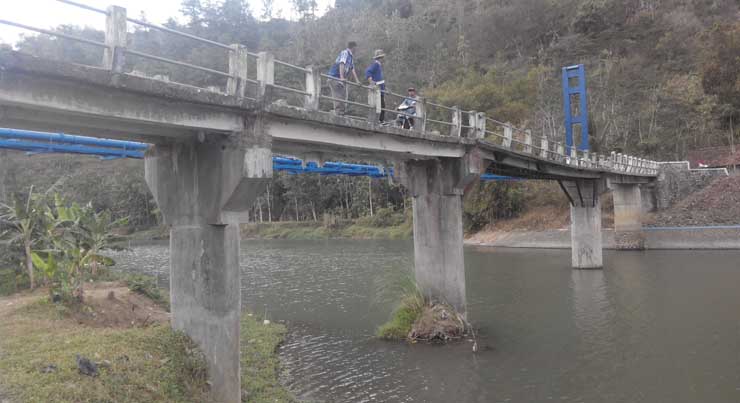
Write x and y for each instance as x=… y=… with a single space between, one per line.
x=719 y=237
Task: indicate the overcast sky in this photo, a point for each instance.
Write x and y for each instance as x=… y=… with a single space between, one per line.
x=50 y=13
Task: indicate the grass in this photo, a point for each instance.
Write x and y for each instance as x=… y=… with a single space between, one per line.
x=147 y=364
x=403 y=318
x=260 y=362
x=412 y=303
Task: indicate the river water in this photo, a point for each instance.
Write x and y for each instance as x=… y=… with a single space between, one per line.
x=657 y=326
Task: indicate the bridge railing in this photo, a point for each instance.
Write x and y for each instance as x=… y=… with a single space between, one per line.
x=260 y=75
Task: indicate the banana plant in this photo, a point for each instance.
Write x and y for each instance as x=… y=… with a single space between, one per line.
x=22 y=220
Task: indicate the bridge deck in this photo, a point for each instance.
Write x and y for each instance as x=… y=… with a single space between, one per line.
x=41 y=94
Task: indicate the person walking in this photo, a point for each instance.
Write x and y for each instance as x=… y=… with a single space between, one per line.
x=374 y=75
x=340 y=70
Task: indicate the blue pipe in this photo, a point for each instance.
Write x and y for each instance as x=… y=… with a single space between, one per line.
x=54 y=138
x=36 y=147
x=64 y=143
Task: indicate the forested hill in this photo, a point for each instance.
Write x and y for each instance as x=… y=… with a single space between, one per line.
x=663 y=75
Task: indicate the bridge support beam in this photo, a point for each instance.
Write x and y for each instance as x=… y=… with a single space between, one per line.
x=437 y=187
x=201 y=189
x=628 y=216
x=585 y=222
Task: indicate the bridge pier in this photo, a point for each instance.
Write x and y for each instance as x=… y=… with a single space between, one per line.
x=437 y=187
x=585 y=222
x=201 y=188
x=628 y=216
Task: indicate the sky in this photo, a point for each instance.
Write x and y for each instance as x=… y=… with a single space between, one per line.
x=50 y=13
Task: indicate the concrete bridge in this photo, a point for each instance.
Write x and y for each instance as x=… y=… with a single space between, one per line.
x=213 y=156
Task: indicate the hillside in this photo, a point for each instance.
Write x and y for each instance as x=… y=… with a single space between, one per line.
x=663 y=77
x=716 y=204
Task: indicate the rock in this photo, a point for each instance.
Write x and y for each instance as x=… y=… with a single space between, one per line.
x=49 y=369
x=86 y=367
x=438 y=323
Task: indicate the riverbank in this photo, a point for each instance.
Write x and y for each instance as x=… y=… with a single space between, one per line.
x=317 y=231
x=127 y=335
x=719 y=237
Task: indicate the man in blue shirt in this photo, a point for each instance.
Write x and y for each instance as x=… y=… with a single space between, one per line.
x=340 y=70
x=374 y=75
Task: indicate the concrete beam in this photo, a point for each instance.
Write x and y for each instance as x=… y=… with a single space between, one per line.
x=628 y=217
x=201 y=189
x=292 y=127
x=435 y=187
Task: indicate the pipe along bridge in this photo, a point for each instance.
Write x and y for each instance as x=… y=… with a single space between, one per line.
x=211 y=154
x=60 y=143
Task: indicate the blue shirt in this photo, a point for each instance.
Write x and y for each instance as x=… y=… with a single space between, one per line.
x=345 y=57
x=375 y=71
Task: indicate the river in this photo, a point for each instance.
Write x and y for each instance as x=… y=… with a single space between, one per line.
x=656 y=326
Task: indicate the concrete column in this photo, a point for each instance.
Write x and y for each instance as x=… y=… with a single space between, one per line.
x=585 y=236
x=202 y=188
x=628 y=216
x=585 y=222
x=437 y=187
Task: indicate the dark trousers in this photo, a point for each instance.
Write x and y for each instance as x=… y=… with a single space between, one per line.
x=382 y=106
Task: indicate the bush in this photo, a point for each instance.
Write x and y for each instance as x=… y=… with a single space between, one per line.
x=147 y=286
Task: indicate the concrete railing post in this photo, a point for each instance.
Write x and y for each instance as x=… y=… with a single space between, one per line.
x=528 y=141
x=265 y=72
x=618 y=162
x=457 y=124
x=114 y=56
x=313 y=88
x=374 y=105
x=561 y=152
x=473 y=123
x=420 y=123
x=481 y=127
x=236 y=84
x=508 y=135
x=544 y=148
x=573 y=156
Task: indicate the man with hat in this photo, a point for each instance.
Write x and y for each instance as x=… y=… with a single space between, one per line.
x=374 y=75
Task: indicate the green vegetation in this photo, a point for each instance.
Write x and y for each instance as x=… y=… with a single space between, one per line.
x=384 y=224
x=139 y=364
x=151 y=363
x=59 y=240
x=400 y=284
x=663 y=78
x=147 y=286
x=260 y=362
x=403 y=318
